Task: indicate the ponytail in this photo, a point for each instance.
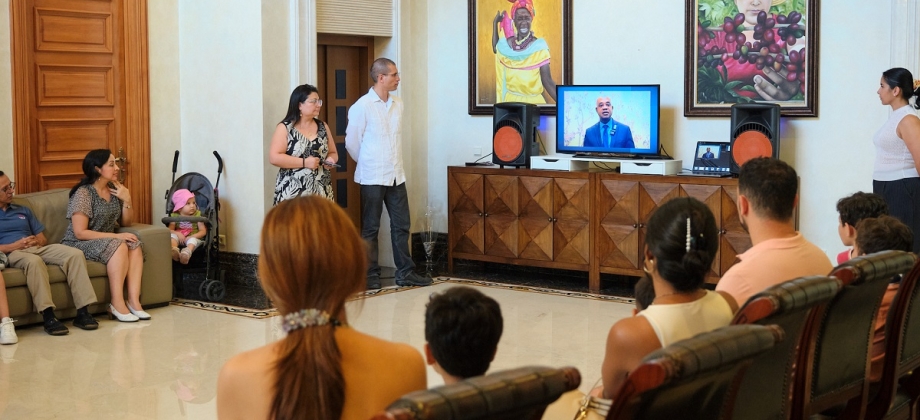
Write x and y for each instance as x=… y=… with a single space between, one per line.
x=310 y=382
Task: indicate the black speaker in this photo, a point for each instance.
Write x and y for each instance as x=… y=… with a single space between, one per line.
x=754 y=133
x=514 y=127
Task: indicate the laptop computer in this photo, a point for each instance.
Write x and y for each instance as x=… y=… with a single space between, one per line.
x=711 y=158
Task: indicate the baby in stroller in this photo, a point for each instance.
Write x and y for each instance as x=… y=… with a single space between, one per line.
x=189 y=234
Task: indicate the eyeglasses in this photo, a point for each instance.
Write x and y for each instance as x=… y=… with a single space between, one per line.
x=394 y=74
x=318 y=102
x=8 y=188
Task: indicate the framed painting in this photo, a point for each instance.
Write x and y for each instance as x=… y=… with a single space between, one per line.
x=742 y=51
x=518 y=51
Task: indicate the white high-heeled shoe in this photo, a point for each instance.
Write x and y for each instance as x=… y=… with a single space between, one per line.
x=113 y=314
x=142 y=315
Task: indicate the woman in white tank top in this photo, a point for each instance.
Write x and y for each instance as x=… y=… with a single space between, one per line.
x=680 y=243
x=897 y=150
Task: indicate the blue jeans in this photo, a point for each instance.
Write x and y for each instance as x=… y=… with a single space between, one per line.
x=373 y=198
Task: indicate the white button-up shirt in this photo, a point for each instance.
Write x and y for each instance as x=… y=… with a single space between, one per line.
x=373 y=138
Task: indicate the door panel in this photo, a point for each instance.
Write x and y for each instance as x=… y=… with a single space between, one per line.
x=72 y=91
x=343 y=65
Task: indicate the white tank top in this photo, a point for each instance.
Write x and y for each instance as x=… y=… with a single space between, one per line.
x=893 y=160
x=675 y=322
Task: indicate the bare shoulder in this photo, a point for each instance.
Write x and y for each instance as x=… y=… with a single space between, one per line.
x=248 y=366
x=384 y=359
x=632 y=335
x=239 y=377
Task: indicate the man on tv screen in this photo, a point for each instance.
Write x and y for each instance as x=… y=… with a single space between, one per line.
x=708 y=154
x=608 y=133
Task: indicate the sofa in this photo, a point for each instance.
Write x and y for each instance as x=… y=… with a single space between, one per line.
x=50 y=207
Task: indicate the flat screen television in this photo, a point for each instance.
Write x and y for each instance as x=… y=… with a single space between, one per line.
x=622 y=120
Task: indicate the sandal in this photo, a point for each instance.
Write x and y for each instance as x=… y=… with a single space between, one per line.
x=185 y=255
x=175 y=253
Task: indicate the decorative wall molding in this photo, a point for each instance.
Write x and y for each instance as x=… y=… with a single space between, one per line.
x=905 y=38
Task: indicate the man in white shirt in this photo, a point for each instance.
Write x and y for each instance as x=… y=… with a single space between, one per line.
x=373 y=139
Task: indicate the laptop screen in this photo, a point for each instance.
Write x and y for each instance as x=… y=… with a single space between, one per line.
x=712 y=156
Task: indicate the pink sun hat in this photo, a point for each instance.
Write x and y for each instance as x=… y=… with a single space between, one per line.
x=180 y=197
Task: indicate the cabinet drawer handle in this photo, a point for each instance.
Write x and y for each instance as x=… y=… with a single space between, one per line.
x=635 y=225
x=641 y=225
x=486 y=215
x=551 y=220
x=555 y=220
x=722 y=232
x=480 y=214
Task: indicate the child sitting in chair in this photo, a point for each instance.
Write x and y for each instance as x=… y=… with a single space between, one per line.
x=188 y=234
x=462 y=329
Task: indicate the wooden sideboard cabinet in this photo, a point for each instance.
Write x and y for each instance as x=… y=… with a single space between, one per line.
x=589 y=221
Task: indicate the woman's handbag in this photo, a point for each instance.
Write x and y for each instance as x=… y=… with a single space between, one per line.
x=584 y=407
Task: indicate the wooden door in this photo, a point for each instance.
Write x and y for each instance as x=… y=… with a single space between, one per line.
x=617 y=235
x=79 y=70
x=572 y=220
x=711 y=195
x=465 y=205
x=536 y=219
x=343 y=70
x=625 y=207
x=500 y=216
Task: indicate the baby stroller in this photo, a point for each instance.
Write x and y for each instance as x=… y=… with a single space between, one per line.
x=205 y=259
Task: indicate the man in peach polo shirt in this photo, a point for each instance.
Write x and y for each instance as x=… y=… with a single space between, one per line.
x=767 y=196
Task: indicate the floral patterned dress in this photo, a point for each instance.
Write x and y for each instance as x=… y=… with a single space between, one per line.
x=103 y=217
x=304 y=181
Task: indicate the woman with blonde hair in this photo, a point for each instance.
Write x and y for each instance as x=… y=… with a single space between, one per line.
x=322 y=369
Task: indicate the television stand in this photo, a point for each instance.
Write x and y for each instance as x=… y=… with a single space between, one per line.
x=565 y=162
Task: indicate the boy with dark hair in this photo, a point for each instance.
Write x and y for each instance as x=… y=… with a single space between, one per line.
x=873 y=235
x=851 y=210
x=462 y=329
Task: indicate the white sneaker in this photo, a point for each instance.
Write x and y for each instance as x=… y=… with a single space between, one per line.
x=7 y=333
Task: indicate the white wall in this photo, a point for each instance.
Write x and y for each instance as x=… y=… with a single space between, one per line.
x=616 y=44
x=220 y=80
x=210 y=90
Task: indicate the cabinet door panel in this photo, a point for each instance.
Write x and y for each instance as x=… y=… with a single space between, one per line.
x=617 y=236
x=467 y=233
x=501 y=197
x=536 y=238
x=572 y=241
x=735 y=240
x=465 y=200
x=536 y=230
x=572 y=227
x=501 y=236
x=711 y=195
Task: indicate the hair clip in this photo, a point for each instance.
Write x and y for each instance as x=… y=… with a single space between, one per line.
x=688 y=234
x=307 y=318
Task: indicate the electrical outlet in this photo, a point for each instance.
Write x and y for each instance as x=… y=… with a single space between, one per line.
x=222 y=241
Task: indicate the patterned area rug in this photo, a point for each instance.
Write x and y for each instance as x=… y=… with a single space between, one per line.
x=267 y=313
x=223 y=308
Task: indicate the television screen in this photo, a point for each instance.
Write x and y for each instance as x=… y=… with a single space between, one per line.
x=620 y=119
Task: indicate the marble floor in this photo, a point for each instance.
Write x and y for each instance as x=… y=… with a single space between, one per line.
x=167 y=368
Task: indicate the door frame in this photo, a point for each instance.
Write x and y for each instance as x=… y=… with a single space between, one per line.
x=133 y=33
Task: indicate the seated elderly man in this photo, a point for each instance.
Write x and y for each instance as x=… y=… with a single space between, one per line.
x=23 y=240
